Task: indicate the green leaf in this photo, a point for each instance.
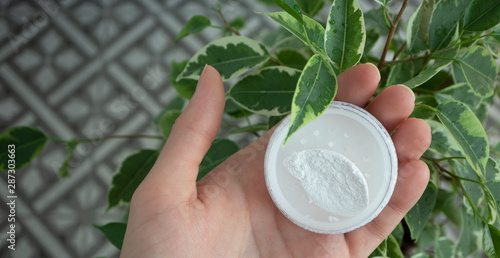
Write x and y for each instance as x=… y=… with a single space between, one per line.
x=20 y=145
x=417 y=34
x=315 y=91
x=166 y=122
x=291 y=58
x=467 y=131
x=443 y=27
x=399 y=233
x=372 y=36
x=400 y=73
x=268 y=92
x=388 y=248
x=374 y=19
x=482 y=15
x=496 y=33
x=237 y=23
x=185 y=87
x=418 y=216
x=445 y=203
x=443 y=59
x=129 y=175
x=492 y=204
x=231 y=56
x=292 y=8
x=442 y=142
x=461 y=92
x=494 y=187
x=114 y=232
x=311 y=7
x=423 y=112
x=444 y=248
x=175 y=104
x=281 y=38
x=493 y=171
x=491 y=241
x=195 y=25
x=469 y=240
x=220 y=150
x=234 y=110
x=492 y=45
x=383 y=2
x=315 y=31
x=273 y=120
x=477 y=68
x=345 y=34
x=249 y=129
x=420 y=255
x=70 y=150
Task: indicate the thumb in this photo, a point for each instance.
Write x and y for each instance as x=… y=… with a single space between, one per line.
x=192 y=135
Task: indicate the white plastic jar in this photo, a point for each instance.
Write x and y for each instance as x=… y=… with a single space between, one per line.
x=351 y=132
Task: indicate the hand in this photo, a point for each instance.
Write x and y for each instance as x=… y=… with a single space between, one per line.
x=229 y=213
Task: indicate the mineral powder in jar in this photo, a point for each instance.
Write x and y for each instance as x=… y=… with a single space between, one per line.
x=335 y=174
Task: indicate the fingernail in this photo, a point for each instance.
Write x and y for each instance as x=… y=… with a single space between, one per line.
x=409 y=89
x=376 y=68
x=204 y=69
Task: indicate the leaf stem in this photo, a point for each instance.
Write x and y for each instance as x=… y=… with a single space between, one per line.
x=473 y=206
x=458 y=179
x=392 y=30
x=448 y=158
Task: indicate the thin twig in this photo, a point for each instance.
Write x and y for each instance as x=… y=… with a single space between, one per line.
x=228 y=26
x=399 y=51
x=405 y=60
x=392 y=30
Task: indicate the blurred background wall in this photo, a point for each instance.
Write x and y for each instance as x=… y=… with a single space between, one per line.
x=70 y=66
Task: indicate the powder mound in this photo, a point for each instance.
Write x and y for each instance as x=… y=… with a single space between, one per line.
x=331 y=180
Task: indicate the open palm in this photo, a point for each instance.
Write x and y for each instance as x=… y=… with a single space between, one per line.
x=229 y=213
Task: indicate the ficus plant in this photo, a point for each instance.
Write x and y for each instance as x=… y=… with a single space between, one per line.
x=446 y=52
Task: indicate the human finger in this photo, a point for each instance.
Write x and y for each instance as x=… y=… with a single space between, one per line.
x=194 y=131
x=411 y=140
x=392 y=106
x=357 y=84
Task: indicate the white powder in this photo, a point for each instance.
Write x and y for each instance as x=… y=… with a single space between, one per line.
x=331 y=181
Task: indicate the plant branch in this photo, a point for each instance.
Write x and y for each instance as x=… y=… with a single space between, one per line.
x=228 y=26
x=399 y=51
x=392 y=30
x=405 y=60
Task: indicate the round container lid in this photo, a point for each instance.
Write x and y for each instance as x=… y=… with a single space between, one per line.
x=345 y=129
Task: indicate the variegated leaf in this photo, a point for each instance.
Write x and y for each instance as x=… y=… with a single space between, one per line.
x=291 y=7
x=468 y=132
x=315 y=91
x=482 y=15
x=231 y=56
x=315 y=31
x=443 y=59
x=345 y=34
x=443 y=27
x=417 y=34
x=478 y=69
x=267 y=92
